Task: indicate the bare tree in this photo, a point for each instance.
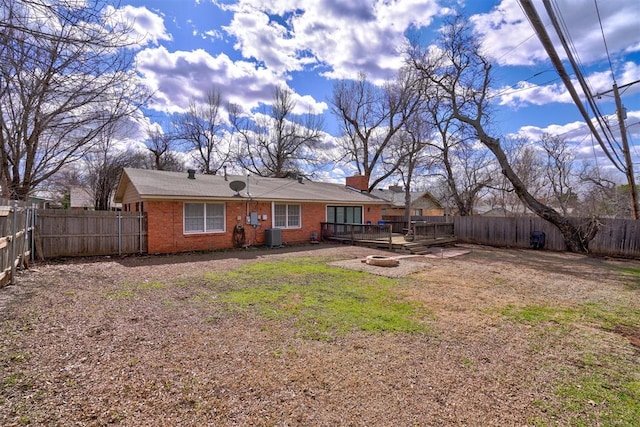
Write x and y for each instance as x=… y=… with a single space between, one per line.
x=277 y=142
x=465 y=167
x=370 y=118
x=161 y=151
x=559 y=171
x=104 y=165
x=463 y=75
x=413 y=143
x=526 y=160
x=65 y=76
x=602 y=195
x=202 y=128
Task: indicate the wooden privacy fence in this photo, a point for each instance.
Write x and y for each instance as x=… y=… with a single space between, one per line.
x=433 y=230
x=16 y=226
x=616 y=237
x=399 y=225
x=62 y=233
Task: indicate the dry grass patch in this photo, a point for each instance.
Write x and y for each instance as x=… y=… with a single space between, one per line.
x=280 y=337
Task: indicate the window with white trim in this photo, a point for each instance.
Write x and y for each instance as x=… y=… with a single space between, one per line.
x=286 y=216
x=203 y=217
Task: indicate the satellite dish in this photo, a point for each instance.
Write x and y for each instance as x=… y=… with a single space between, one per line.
x=237 y=186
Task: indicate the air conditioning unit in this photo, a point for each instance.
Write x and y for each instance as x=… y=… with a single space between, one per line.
x=272 y=237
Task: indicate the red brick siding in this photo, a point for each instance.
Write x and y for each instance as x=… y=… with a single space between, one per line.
x=372 y=213
x=166 y=225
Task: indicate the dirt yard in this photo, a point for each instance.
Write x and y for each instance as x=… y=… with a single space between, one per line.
x=514 y=337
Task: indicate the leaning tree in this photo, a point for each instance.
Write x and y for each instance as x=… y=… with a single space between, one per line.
x=462 y=75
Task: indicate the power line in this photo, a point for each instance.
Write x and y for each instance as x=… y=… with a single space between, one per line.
x=563 y=36
x=606 y=48
x=504 y=92
x=539 y=27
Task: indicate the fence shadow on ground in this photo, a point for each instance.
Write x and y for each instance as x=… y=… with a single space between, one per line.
x=250 y=253
x=576 y=265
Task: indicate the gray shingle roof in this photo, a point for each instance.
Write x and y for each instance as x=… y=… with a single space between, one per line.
x=153 y=184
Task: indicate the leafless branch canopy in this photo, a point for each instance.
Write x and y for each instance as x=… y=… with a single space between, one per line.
x=65 y=77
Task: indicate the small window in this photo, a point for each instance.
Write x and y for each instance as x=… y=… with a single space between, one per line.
x=417 y=212
x=203 y=217
x=286 y=216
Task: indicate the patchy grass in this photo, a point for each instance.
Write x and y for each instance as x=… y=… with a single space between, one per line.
x=535 y=314
x=605 y=391
x=603 y=388
x=132 y=289
x=324 y=301
x=632 y=276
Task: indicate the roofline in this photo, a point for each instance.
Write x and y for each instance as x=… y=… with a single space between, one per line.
x=148 y=197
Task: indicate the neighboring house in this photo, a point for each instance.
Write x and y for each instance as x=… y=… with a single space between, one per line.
x=422 y=202
x=188 y=211
x=43 y=200
x=80 y=198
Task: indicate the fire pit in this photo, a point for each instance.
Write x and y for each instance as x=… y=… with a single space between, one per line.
x=382 y=261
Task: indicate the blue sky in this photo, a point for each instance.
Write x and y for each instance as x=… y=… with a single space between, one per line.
x=246 y=47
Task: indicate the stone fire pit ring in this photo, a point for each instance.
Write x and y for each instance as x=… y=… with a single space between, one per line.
x=382 y=261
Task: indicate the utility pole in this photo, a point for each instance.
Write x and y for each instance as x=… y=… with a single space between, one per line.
x=628 y=170
x=627 y=154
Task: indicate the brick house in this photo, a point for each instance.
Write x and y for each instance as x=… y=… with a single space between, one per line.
x=190 y=212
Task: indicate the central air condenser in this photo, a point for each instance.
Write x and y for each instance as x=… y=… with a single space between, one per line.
x=272 y=237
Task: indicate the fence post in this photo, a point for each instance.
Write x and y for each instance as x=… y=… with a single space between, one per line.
x=140 y=230
x=14 y=232
x=119 y=234
x=32 y=234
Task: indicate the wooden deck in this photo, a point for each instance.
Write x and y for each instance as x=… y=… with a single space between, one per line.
x=381 y=236
x=397 y=243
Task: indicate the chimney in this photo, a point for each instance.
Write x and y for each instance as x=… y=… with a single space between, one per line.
x=358 y=182
x=396 y=188
x=192 y=173
x=225 y=172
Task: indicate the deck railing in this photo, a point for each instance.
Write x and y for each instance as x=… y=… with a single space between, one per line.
x=356 y=232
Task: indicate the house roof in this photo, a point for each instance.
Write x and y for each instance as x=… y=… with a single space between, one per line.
x=396 y=198
x=154 y=184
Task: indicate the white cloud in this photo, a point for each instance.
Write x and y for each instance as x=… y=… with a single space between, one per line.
x=524 y=94
x=177 y=77
x=146 y=27
x=509 y=39
x=343 y=38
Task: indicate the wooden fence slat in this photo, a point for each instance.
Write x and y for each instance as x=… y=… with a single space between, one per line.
x=15 y=245
x=90 y=233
